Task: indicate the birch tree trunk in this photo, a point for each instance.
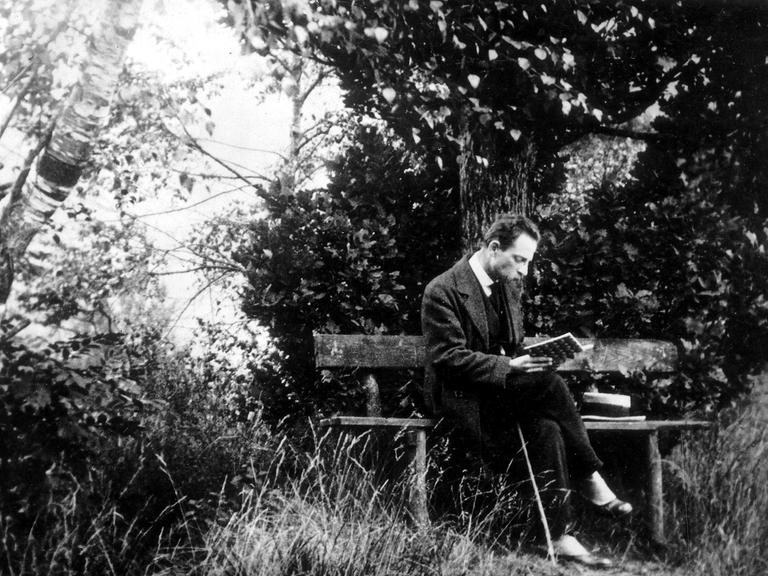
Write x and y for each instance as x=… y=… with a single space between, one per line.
x=30 y=205
x=491 y=184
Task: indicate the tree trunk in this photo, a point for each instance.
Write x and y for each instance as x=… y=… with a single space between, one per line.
x=24 y=211
x=490 y=183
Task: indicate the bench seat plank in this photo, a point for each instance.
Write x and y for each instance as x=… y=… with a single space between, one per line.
x=648 y=425
x=404 y=352
x=425 y=423
x=378 y=422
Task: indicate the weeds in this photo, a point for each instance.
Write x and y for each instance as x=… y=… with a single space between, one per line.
x=337 y=517
x=327 y=511
x=719 y=503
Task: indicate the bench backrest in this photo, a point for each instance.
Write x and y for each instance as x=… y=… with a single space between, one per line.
x=607 y=355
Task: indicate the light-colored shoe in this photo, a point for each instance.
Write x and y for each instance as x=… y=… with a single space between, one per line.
x=567 y=547
x=595 y=490
x=615 y=508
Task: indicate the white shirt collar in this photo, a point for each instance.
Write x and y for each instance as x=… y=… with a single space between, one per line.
x=480 y=274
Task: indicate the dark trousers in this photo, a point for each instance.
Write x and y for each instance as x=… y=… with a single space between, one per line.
x=556 y=440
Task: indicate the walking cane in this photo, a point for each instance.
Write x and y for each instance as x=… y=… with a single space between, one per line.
x=547 y=535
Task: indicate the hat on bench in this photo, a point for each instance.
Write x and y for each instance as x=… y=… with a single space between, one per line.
x=605 y=405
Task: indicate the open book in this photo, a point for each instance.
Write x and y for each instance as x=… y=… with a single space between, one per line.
x=558 y=348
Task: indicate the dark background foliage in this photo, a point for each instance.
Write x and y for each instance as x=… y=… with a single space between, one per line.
x=677 y=252
x=110 y=444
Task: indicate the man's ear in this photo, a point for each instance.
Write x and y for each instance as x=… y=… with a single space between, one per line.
x=494 y=245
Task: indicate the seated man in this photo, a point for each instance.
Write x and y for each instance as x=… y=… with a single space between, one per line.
x=472 y=324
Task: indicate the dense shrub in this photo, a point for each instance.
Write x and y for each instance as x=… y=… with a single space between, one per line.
x=57 y=402
x=115 y=445
x=350 y=259
x=680 y=252
x=676 y=265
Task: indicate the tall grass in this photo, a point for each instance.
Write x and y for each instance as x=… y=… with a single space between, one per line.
x=82 y=529
x=327 y=511
x=719 y=502
x=331 y=515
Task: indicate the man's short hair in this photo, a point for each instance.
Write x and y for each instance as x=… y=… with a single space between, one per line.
x=508 y=227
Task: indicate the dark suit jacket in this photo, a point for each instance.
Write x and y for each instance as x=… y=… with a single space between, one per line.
x=459 y=370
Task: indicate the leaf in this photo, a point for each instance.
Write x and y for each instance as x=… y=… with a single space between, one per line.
x=524 y=63
x=474 y=80
x=515 y=134
x=622 y=291
x=540 y=53
x=389 y=94
x=514 y=43
x=380 y=34
x=581 y=16
x=492 y=55
x=301 y=34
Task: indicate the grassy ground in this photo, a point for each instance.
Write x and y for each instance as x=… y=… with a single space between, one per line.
x=719 y=494
x=323 y=513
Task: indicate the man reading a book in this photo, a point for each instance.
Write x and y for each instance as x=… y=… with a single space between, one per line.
x=478 y=376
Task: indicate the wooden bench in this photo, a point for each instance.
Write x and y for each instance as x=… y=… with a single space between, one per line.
x=370 y=353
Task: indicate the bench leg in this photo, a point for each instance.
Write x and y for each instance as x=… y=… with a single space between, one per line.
x=417 y=464
x=655 y=492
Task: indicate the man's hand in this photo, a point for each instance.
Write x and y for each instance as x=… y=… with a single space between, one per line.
x=526 y=364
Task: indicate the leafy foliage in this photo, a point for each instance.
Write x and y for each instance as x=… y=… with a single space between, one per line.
x=352 y=258
x=680 y=252
x=59 y=400
x=674 y=251
x=91 y=276
x=513 y=68
x=495 y=89
x=115 y=445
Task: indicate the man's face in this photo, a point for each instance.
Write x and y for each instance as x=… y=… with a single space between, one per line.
x=512 y=263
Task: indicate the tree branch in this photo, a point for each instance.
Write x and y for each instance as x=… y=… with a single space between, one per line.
x=188 y=206
x=248 y=148
x=181 y=246
x=322 y=75
x=21 y=179
x=626 y=133
x=17 y=102
x=193 y=143
x=23 y=323
x=197 y=269
x=321 y=128
x=189 y=302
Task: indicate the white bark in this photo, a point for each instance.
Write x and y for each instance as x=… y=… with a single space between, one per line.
x=23 y=213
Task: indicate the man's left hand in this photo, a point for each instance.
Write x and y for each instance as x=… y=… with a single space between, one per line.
x=527 y=364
